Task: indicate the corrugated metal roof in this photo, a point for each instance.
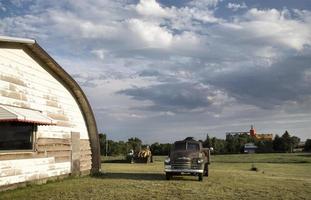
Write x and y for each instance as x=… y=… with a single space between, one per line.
x=15 y=114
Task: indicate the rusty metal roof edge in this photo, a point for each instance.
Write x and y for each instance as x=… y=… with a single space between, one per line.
x=16 y=40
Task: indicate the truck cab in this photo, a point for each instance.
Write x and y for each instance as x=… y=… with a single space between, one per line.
x=187 y=157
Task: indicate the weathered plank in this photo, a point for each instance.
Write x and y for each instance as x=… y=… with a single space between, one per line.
x=32 y=172
x=55 y=153
x=85 y=166
x=17 y=155
x=49 y=141
x=85 y=156
x=84 y=144
x=75 y=153
x=53 y=147
x=62 y=159
x=57 y=133
x=86 y=159
x=86 y=152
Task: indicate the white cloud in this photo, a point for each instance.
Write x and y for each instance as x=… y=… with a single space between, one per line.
x=73 y=25
x=151 y=8
x=100 y=53
x=204 y=3
x=236 y=7
x=187 y=41
x=152 y=34
x=277 y=27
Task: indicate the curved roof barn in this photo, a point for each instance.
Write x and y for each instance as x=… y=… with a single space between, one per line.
x=41 y=101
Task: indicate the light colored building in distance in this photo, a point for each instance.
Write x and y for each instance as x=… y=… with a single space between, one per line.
x=250 y=148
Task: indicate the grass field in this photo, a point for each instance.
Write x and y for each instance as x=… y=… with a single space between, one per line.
x=280 y=176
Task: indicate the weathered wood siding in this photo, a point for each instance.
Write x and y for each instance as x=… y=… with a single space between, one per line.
x=85 y=156
x=25 y=83
x=17 y=171
x=58 y=148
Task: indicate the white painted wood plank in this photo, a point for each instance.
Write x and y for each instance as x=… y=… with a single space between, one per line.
x=32 y=169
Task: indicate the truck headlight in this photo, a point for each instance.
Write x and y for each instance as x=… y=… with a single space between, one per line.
x=200 y=161
x=167 y=161
x=167 y=166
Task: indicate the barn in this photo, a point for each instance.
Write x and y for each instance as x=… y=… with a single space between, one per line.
x=47 y=127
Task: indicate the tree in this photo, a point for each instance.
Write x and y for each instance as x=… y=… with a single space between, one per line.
x=295 y=141
x=264 y=146
x=287 y=142
x=307 y=147
x=160 y=149
x=235 y=142
x=219 y=145
x=134 y=143
x=232 y=144
x=277 y=143
x=207 y=142
x=102 y=143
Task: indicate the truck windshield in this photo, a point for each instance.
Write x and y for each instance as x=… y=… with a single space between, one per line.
x=180 y=146
x=183 y=146
x=192 y=146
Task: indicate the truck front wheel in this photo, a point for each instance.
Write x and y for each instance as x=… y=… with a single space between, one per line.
x=206 y=169
x=200 y=177
x=168 y=175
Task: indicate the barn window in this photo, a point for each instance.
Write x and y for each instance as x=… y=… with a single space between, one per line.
x=18 y=127
x=16 y=136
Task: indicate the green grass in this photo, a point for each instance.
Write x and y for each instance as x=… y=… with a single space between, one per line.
x=230 y=178
x=238 y=158
x=264 y=158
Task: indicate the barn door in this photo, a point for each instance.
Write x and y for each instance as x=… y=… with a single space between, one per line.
x=75 y=153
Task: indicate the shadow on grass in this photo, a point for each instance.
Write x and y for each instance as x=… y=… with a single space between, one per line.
x=305 y=155
x=140 y=176
x=115 y=161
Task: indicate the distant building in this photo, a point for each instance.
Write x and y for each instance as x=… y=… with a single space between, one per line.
x=299 y=147
x=252 y=132
x=250 y=148
x=260 y=137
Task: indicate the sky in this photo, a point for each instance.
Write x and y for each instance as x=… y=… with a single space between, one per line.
x=162 y=70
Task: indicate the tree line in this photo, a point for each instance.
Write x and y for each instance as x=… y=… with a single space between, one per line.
x=115 y=148
x=233 y=143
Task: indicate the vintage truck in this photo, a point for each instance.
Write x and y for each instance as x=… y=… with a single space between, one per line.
x=187 y=157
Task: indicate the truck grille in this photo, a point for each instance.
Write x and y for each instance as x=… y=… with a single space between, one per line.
x=195 y=166
x=185 y=165
x=181 y=166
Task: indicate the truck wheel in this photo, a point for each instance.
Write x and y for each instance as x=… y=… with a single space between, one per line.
x=168 y=175
x=200 y=177
x=206 y=169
